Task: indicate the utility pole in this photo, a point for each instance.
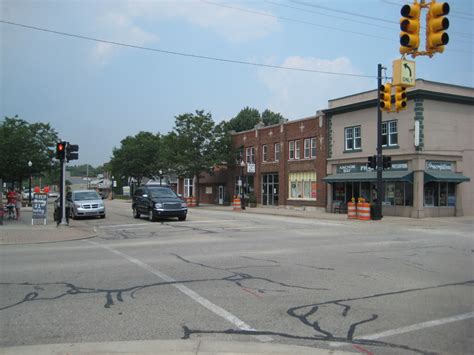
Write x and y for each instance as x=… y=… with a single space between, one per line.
x=379 y=161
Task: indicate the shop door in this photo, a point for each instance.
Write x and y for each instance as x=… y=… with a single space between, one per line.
x=270 y=189
x=221 y=195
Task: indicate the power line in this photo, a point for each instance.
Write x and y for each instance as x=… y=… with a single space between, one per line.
x=462 y=15
x=293 y=20
x=183 y=54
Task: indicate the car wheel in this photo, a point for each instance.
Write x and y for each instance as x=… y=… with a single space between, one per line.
x=136 y=214
x=182 y=218
x=102 y=216
x=72 y=215
x=151 y=218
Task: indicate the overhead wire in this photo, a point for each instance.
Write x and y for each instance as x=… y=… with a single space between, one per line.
x=183 y=54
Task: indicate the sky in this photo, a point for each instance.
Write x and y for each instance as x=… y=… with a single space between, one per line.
x=96 y=93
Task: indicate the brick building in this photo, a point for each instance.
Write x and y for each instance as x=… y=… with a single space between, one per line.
x=283 y=165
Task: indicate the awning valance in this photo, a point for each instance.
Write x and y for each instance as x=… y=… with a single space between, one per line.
x=444 y=176
x=371 y=176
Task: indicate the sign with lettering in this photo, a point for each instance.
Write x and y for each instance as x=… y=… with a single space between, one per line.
x=362 y=167
x=251 y=168
x=40 y=206
x=439 y=165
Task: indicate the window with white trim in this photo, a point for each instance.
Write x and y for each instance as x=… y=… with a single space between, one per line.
x=291 y=149
x=188 y=187
x=264 y=152
x=277 y=151
x=313 y=147
x=352 y=138
x=250 y=155
x=297 y=149
x=389 y=133
x=307 y=148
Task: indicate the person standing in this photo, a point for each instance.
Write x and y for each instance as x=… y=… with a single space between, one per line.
x=18 y=202
x=11 y=202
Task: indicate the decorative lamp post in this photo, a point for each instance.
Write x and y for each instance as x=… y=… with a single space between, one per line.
x=242 y=196
x=30 y=164
x=161 y=174
x=112 y=187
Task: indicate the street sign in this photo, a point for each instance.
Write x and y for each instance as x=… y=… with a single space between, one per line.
x=404 y=73
x=250 y=168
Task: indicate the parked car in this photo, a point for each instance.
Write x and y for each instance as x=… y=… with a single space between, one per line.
x=25 y=195
x=53 y=194
x=85 y=203
x=158 y=201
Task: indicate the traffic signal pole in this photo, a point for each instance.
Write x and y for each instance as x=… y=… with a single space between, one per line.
x=63 y=194
x=379 y=161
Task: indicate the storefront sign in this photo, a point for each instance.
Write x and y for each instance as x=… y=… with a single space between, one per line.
x=362 y=167
x=439 y=165
x=250 y=168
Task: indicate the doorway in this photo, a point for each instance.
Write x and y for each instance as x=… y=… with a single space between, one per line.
x=270 y=189
x=221 y=195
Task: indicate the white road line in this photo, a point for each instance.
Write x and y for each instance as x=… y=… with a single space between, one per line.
x=411 y=328
x=221 y=312
x=125 y=225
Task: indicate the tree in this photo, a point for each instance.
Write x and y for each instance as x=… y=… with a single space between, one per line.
x=21 y=142
x=246 y=119
x=138 y=156
x=194 y=134
x=270 y=117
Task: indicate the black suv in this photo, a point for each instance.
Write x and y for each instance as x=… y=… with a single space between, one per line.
x=158 y=201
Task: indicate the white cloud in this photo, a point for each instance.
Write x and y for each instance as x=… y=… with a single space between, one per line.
x=299 y=94
x=119 y=28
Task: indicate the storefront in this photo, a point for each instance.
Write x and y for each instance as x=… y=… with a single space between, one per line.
x=355 y=180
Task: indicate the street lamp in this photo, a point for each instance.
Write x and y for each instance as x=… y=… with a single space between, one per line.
x=30 y=164
x=112 y=187
x=242 y=165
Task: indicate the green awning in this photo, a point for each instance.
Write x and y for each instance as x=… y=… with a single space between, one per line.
x=446 y=176
x=371 y=176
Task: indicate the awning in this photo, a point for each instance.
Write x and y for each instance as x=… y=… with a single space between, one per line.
x=444 y=176
x=371 y=176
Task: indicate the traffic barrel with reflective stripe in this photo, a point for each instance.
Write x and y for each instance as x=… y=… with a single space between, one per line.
x=363 y=211
x=351 y=210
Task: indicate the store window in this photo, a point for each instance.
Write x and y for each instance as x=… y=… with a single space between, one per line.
x=440 y=194
x=389 y=134
x=291 y=149
x=265 y=152
x=352 y=137
x=277 y=151
x=297 y=150
x=303 y=185
x=250 y=155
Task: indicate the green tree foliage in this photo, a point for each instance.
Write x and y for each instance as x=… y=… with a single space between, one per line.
x=248 y=118
x=270 y=117
x=138 y=157
x=21 y=142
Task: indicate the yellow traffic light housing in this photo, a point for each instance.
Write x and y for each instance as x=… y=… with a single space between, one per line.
x=436 y=24
x=385 y=97
x=410 y=28
x=400 y=98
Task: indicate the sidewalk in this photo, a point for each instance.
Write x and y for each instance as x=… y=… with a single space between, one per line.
x=23 y=232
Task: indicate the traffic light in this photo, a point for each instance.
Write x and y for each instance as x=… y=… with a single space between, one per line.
x=72 y=152
x=387 y=162
x=385 y=97
x=410 y=28
x=436 y=24
x=372 y=164
x=400 y=98
x=61 y=150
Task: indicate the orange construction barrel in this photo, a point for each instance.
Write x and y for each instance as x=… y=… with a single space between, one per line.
x=351 y=210
x=363 y=211
x=236 y=204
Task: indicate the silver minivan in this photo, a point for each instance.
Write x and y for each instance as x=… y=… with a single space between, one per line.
x=85 y=203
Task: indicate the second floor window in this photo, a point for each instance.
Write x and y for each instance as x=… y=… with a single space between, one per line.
x=250 y=155
x=265 y=152
x=307 y=148
x=313 y=147
x=277 y=151
x=291 y=148
x=297 y=150
x=389 y=133
x=352 y=138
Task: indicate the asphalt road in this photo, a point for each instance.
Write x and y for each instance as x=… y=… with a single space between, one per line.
x=381 y=288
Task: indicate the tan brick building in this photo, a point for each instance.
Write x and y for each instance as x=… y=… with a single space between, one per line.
x=430 y=143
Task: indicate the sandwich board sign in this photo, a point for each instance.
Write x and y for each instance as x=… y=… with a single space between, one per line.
x=40 y=207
